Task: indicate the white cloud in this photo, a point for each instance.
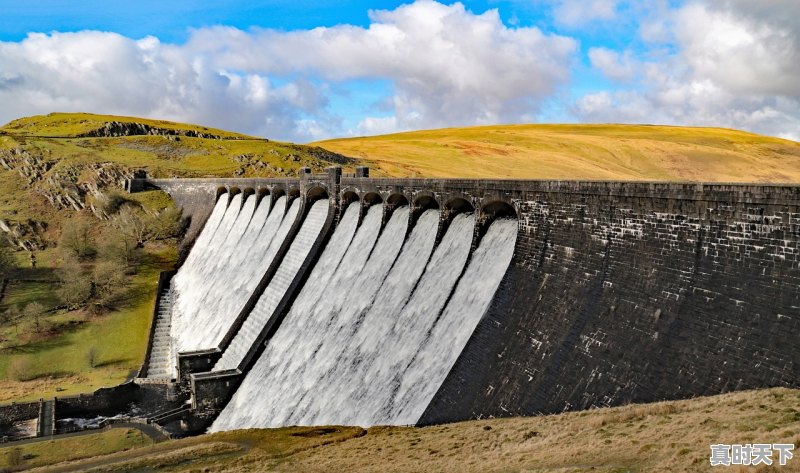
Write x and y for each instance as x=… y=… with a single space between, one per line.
x=377 y=126
x=616 y=66
x=108 y=73
x=446 y=65
x=735 y=65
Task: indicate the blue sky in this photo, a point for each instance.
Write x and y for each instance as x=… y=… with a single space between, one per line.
x=303 y=70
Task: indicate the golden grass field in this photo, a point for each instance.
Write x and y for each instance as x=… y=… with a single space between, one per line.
x=661 y=437
x=603 y=152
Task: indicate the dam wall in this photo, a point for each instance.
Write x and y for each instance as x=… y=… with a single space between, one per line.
x=616 y=292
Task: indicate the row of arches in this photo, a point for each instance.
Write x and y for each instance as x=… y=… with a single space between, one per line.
x=489 y=208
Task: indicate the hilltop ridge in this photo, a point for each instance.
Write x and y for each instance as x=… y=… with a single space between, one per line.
x=591 y=152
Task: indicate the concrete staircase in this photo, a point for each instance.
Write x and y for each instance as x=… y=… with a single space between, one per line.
x=47 y=418
x=160 y=365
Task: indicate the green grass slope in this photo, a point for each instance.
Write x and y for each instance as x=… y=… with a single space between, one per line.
x=608 y=152
x=60 y=167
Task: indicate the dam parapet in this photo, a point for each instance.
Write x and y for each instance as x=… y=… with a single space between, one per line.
x=600 y=294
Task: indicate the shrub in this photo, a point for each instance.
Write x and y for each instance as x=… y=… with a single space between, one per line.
x=76 y=238
x=76 y=285
x=91 y=357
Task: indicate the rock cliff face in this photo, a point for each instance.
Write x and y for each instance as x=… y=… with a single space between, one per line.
x=23 y=235
x=66 y=187
x=113 y=129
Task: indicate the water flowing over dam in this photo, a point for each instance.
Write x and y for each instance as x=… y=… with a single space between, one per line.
x=215 y=288
x=332 y=299
x=277 y=288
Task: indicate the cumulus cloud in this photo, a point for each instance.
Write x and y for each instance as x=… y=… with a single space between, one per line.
x=735 y=64
x=446 y=65
x=109 y=73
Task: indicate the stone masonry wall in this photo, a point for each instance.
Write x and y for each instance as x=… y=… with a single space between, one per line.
x=623 y=292
x=612 y=299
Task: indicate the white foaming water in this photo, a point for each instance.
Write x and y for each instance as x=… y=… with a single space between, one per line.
x=431 y=364
x=286 y=359
x=201 y=244
x=190 y=288
x=235 y=257
x=269 y=300
x=374 y=399
x=208 y=328
x=222 y=264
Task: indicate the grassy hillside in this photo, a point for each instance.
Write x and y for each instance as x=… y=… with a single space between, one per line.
x=76 y=124
x=670 y=436
x=611 y=152
x=62 y=168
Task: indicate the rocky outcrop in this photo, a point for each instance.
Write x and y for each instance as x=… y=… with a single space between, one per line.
x=327 y=156
x=23 y=235
x=72 y=187
x=115 y=129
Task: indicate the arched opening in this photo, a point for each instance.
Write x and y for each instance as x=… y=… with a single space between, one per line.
x=498 y=209
x=293 y=194
x=492 y=211
x=425 y=202
x=348 y=197
x=422 y=203
x=458 y=205
x=371 y=199
x=220 y=190
x=234 y=191
x=246 y=193
x=397 y=200
x=316 y=193
x=278 y=192
x=261 y=193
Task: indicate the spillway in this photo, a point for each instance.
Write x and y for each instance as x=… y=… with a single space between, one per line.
x=202 y=244
x=209 y=328
x=192 y=284
x=377 y=353
x=285 y=366
x=231 y=273
x=220 y=301
x=274 y=292
x=429 y=366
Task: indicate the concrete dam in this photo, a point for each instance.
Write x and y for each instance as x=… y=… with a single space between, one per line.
x=344 y=299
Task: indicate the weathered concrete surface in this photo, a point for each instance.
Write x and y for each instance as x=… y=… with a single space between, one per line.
x=619 y=292
x=635 y=295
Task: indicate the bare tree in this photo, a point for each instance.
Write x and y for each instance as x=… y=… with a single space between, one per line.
x=76 y=285
x=133 y=222
x=167 y=224
x=35 y=310
x=76 y=237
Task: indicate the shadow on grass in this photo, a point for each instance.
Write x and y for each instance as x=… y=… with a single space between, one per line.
x=112 y=362
x=48 y=375
x=57 y=339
